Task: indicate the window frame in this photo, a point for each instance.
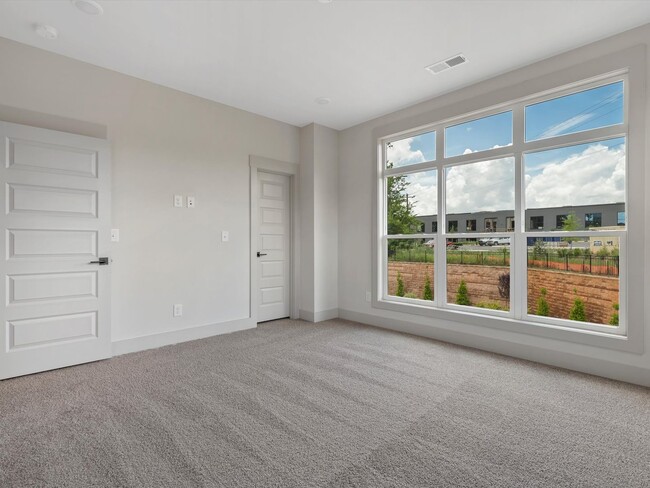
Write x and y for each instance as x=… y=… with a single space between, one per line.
x=566 y=82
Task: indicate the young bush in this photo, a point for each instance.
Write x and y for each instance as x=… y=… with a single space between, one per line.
x=428 y=293
x=504 y=285
x=400 y=285
x=410 y=295
x=578 y=312
x=462 y=297
x=614 y=320
x=542 y=304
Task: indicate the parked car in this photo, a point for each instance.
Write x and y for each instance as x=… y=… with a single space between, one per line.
x=501 y=241
x=430 y=243
x=452 y=245
x=483 y=241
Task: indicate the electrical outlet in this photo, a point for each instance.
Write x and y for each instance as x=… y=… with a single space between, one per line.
x=225 y=236
x=191 y=202
x=178 y=309
x=115 y=235
x=178 y=200
x=368 y=297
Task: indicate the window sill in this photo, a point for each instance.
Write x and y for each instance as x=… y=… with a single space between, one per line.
x=579 y=336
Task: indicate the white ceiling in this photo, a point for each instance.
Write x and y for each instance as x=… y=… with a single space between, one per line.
x=275 y=58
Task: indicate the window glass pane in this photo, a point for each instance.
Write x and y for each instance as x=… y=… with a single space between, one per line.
x=412 y=202
x=478 y=276
x=574 y=278
x=572 y=185
x=484 y=192
x=589 y=109
x=410 y=268
x=479 y=135
x=411 y=150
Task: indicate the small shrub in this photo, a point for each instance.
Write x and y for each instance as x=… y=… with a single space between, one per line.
x=542 y=304
x=410 y=295
x=462 y=297
x=578 y=312
x=428 y=293
x=614 y=320
x=504 y=285
x=400 y=285
x=538 y=249
x=603 y=252
x=490 y=306
x=577 y=252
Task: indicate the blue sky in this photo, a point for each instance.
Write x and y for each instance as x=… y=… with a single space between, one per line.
x=589 y=109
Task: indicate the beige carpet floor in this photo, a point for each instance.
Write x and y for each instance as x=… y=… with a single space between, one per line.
x=334 y=404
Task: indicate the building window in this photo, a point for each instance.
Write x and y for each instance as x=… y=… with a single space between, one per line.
x=593 y=220
x=537 y=223
x=490 y=225
x=480 y=174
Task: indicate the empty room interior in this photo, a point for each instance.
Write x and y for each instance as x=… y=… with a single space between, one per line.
x=325 y=243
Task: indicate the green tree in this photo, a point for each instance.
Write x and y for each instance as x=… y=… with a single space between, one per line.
x=400 y=285
x=400 y=218
x=462 y=297
x=614 y=319
x=570 y=224
x=428 y=292
x=542 y=304
x=578 y=312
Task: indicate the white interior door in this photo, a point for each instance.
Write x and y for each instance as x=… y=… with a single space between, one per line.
x=274 y=246
x=56 y=192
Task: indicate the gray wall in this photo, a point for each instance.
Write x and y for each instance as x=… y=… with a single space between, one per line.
x=164 y=142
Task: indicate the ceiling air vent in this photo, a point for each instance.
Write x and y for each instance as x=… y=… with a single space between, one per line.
x=446 y=64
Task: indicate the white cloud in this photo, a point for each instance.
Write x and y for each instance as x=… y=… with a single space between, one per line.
x=560 y=128
x=422 y=190
x=594 y=176
x=483 y=186
x=401 y=153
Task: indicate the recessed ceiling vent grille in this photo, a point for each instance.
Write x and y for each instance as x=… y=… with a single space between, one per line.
x=446 y=64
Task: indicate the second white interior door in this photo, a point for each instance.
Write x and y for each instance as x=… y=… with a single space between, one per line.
x=274 y=246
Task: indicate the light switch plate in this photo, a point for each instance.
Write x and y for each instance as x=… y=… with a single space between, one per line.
x=191 y=201
x=178 y=309
x=225 y=236
x=115 y=235
x=178 y=200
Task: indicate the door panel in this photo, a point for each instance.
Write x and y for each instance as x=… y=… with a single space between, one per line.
x=56 y=306
x=274 y=232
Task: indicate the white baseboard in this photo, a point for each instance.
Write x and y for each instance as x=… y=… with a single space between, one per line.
x=332 y=313
x=575 y=362
x=153 y=341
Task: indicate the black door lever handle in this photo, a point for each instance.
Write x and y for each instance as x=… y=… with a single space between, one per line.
x=260 y=254
x=101 y=261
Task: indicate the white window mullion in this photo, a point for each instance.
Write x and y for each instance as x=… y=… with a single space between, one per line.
x=518 y=263
x=440 y=273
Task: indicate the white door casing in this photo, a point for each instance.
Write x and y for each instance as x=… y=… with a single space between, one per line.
x=273 y=246
x=56 y=192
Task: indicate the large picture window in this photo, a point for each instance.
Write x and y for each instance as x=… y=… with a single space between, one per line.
x=527 y=224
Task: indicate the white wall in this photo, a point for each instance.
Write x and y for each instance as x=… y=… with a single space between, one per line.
x=357 y=157
x=319 y=225
x=164 y=142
